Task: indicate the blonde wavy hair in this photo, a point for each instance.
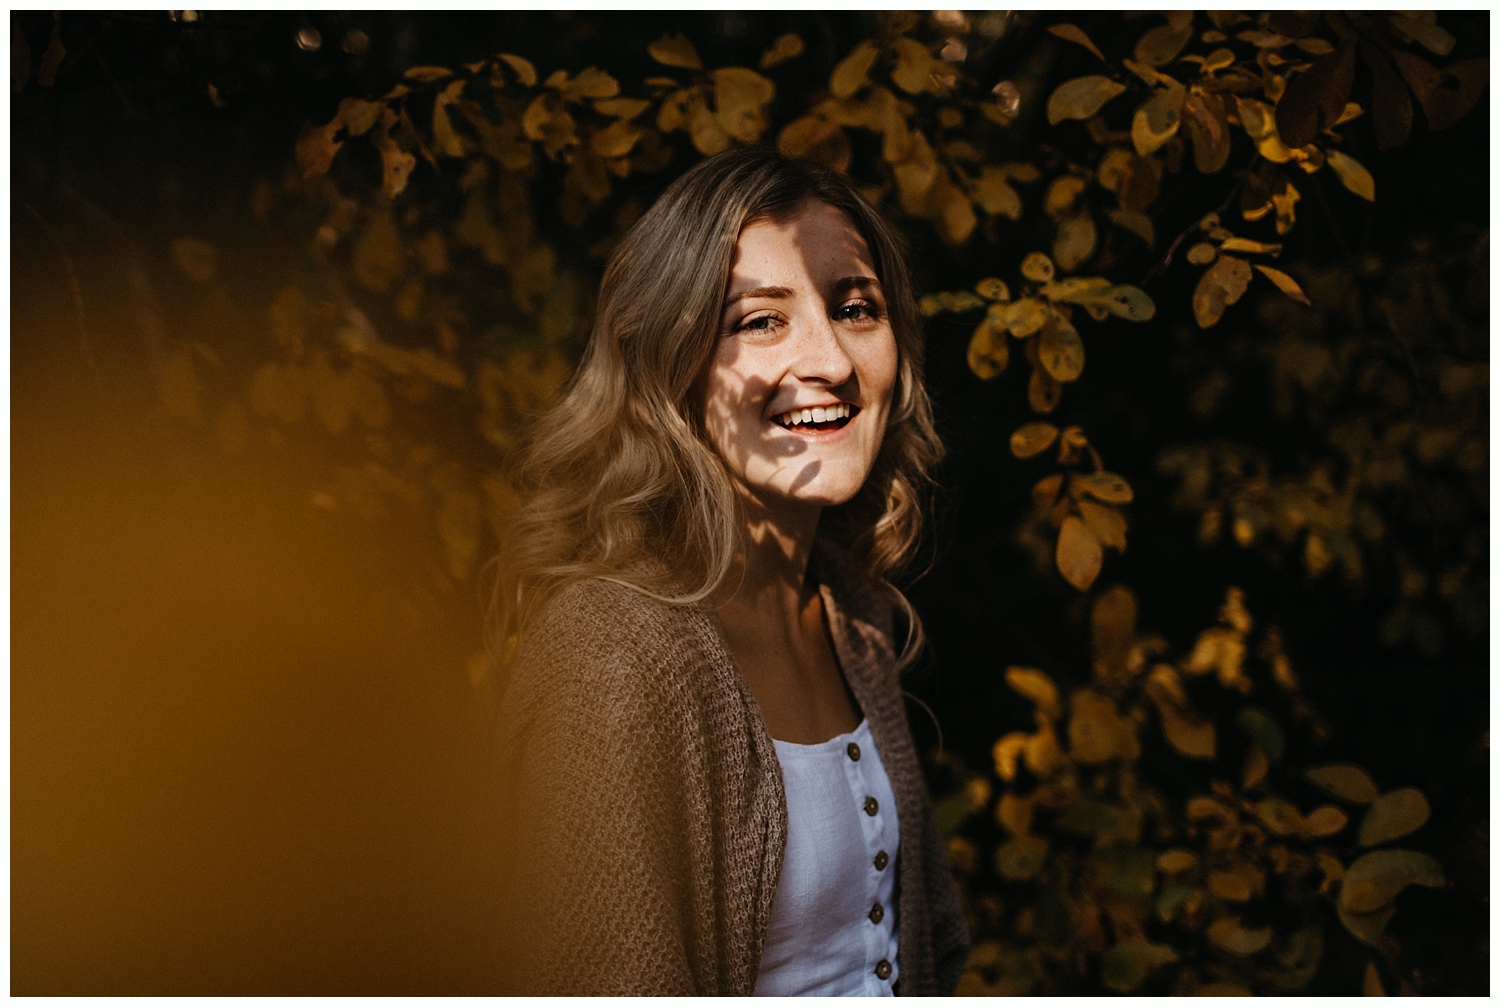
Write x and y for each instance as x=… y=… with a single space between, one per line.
x=619 y=482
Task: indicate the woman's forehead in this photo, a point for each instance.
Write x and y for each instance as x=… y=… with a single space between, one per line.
x=817 y=238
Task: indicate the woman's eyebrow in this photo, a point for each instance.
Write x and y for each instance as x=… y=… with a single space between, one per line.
x=855 y=282
x=777 y=292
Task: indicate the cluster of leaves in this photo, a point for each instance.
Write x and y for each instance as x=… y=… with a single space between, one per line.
x=1102 y=877
x=1389 y=364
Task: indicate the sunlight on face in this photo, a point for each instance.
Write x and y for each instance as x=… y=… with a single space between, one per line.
x=798 y=390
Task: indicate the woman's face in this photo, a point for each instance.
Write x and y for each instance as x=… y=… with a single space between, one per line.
x=799 y=387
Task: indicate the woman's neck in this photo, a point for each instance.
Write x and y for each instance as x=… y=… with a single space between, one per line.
x=769 y=576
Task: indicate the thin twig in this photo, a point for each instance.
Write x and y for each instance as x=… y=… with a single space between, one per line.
x=1222 y=207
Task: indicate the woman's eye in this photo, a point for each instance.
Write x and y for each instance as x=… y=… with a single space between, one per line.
x=855 y=310
x=760 y=323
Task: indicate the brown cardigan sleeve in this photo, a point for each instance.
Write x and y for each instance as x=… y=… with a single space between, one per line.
x=641 y=815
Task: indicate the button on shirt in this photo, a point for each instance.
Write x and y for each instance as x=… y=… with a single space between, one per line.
x=834 y=923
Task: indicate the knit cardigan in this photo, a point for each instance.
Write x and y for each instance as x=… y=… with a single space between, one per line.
x=646 y=815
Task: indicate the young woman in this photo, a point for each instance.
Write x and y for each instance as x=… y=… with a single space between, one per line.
x=713 y=788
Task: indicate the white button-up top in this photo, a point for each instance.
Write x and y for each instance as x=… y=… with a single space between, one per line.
x=834 y=926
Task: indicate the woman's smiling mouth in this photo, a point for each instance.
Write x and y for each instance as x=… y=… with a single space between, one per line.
x=832 y=417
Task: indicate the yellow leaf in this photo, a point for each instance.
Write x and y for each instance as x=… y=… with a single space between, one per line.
x=1073 y=33
x=1285 y=203
x=1044 y=493
x=784 y=48
x=1228 y=934
x=1079 y=555
x=1107 y=523
x=1176 y=861
x=1037 y=267
x=623 y=108
x=816 y=138
x=444 y=137
x=1026 y=316
x=916 y=175
x=1229 y=886
x=1326 y=821
x=1372 y=986
x=1021 y=857
x=1104 y=486
x=1081 y=98
x=994 y=194
x=675 y=50
x=1284 y=283
x=197 y=259
x=1157 y=120
x=1353 y=174
x=1042 y=754
x=1043 y=392
x=1136 y=223
x=1246 y=245
x=1075 y=241
x=1208 y=129
x=524 y=70
x=1038 y=687
x=1062 y=194
x=359 y=116
x=1095 y=728
x=1259 y=120
x=1393 y=815
x=1345 y=781
x=1375 y=879
x=1281 y=817
x=1013 y=813
x=992 y=289
x=427 y=73
x=1060 y=351
x=913 y=71
x=1096 y=292
x=989 y=353
x=1007 y=754
x=316 y=147
x=703 y=126
x=1031 y=439
x=616 y=139
x=1222 y=285
x=741 y=96
x=591 y=83
x=956 y=219
x=1184 y=728
x=1161 y=45
x=1201 y=254
x=853 y=71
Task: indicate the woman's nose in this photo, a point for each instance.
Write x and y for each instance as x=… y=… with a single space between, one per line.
x=822 y=357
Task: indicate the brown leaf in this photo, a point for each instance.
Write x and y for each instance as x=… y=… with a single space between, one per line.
x=1042 y=391
x=1079 y=555
x=1391 y=103
x=1259 y=120
x=784 y=48
x=989 y=352
x=703 y=126
x=1105 y=487
x=1031 y=439
x=1456 y=92
x=1060 y=351
x=1344 y=781
x=522 y=67
x=1107 y=523
x=316 y=147
x=817 y=139
x=1037 y=267
x=1394 y=815
x=1375 y=879
x=1157 y=120
x=1356 y=178
x=1326 y=821
x=1284 y=283
x=995 y=195
x=1222 y=285
x=1073 y=33
x=742 y=96
x=1161 y=44
x=914 y=66
x=1315 y=98
x=1208 y=129
x=853 y=71
x=1424 y=31
x=1081 y=98
x=1076 y=239
x=675 y=50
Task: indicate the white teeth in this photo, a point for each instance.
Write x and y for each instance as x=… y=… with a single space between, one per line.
x=815 y=414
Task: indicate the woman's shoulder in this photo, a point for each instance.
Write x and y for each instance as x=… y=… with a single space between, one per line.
x=606 y=637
